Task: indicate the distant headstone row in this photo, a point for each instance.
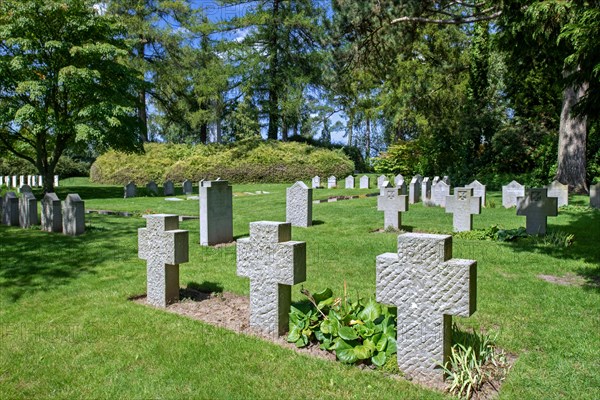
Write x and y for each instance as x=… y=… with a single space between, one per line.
x=68 y=217
x=16 y=182
x=130 y=190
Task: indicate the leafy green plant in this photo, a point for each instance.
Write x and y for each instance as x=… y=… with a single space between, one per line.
x=495 y=233
x=359 y=330
x=556 y=239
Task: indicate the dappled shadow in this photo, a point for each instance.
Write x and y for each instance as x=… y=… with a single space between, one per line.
x=592 y=278
x=318 y=222
x=206 y=287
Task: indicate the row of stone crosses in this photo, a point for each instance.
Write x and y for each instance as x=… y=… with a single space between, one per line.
x=17 y=182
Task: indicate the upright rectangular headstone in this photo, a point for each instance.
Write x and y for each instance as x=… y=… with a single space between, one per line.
x=10 y=209
x=393 y=203
x=14 y=182
x=152 y=188
x=21 y=180
x=274 y=263
x=51 y=213
x=595 y=195
x=349 y=182
x=560 y=191
x=216 y=213
x=435 y=180
x=446 y=180
x=187 y=187
x=381 y=179
x=316 y=182
x=478 y=190
x=426 y=189
x=463 y=205
x=331 y=182
x=29 y=180
x=510 y=193
x=25 y=189
x=164 y=246
x=399 y=180
x=28 y=215
x=414 y=189
x=34 y=181
x=365 y=182
x=403 y=188
x=428 y=287
x=40 y=181
x=55 y=181
x=298 y=209
x=73 y=212
x=129 y=190
x=536 y=206
x=168 y=188
x=1 y=180
x=439 y=192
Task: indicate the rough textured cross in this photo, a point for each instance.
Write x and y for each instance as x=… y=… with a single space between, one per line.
x=536 y=206
x=393 y=204
x=428 y=287
x=463 y=205
x=273 y=263
x=164 y=246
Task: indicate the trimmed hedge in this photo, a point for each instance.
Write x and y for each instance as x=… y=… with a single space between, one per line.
x=249 y=161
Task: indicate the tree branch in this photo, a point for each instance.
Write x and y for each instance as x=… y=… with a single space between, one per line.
x=454 y=21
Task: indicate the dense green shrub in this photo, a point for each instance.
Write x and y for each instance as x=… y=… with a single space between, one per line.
x=245 y=161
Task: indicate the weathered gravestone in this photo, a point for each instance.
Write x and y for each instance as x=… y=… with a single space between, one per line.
x=536 y=206
x=298 y=208
x=187 y=187
x=25 y=189
x=560 y=191
x=152 y=187
x=510 y=193
x=28 y=215
x=402 y=187
x=463 y=205
x=414 y=189
x=478 y=190
x=365 y=182
x=595 y=195
x=164 y=246
x=216 y=213
x=51 y=213
x=10 y=209
x=274 y=263
x=73 y=212
x=428 y=287
x=381 y=179
x=168 y=188
x=435 y=180
x=393 y=204
x=399 y=180
x=349 y=182
x=331 y=182
x=439 y=192
x=316 y=182
x=129 y=190
x=426 y=189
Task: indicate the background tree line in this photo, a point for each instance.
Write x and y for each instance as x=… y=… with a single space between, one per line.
x=467 y=88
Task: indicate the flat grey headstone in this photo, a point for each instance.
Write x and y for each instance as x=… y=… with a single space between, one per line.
x=28 y=215
x=398 y=180
x=152 y=187
x=349 y=182
x=216 y=213
x=187 y=187
x=73 y=213
x=439 y=192
x=316 y=182
x=10 y=209
x=274 y=263
x=510 y=193
x=298 y=209
x=560 y=191
x=536 y=206
x=393 y=204
x=478 y=190
x=428 y=287
x=381 y=179
x=365 y=182
x=129 y=190
x=463 y=205
x=164 y=246
x=595 y=195
x=414 y=189
x=173 y=199
x=51 y=213
x=426 y=189
x=168 y=188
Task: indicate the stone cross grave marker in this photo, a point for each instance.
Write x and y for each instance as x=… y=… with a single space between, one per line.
x=428 y=287
x=426 y=189
x=298 y=209
x=168 y=188
x=331 y=182
x=349 y=182
x=463 y=205
x=536 y=206
x=28 y=215
x=439 y=192
x=560 y=191
x=164 y=246
x=216 y=213
x=393 y=204
x=510 y=193
x=152 y=188
x=187 y=187
x=274 y=263
x=414 y=189
x=478 y=190
x=381 y=179
x=129 y=190
x=316 y=182
x=399 y=180
x=10 y=209
x=73 y=212
x=365 y=182
x=595 y=195
x=51 y=213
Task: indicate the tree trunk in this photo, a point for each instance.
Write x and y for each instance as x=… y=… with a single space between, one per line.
x=350 y=126
x=572 y=143
x=273 y=75
x=368 y=139
x=204 y=133
x=141 y=107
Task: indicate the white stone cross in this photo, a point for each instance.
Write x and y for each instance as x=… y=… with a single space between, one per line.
x=392 y=203
x=463 y=205
x=536 y=206
x=428 y=287
x=273 y=263
x=164 y=246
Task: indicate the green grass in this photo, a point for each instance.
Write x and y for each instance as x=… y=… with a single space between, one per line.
x=68 y=330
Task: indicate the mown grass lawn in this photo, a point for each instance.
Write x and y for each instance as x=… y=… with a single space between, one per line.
x=68 y=330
